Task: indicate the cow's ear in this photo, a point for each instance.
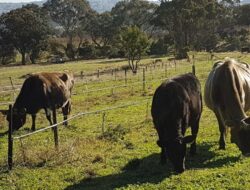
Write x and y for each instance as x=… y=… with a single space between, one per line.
x=64 y=77
x=189 y=139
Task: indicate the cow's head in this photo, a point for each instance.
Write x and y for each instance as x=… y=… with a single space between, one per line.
x=244 y=137
x=176 y=150
x=18 y=118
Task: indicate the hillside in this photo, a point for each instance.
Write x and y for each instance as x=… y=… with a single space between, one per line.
x=98 y=5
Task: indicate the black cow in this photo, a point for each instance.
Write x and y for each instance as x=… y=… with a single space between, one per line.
x=177 y=104
x=48 y=91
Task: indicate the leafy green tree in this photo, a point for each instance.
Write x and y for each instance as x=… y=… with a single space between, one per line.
x=27 y=30
x=69 y=14
x=7 y=52
x=134 y=42
x=243 y=15
x=101 y=29
x=193 y=24
x=134 y=13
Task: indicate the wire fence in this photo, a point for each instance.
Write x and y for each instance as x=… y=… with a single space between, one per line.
x=143 y=78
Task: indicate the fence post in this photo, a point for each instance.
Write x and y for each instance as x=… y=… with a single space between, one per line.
x=125 y=73
x=103 y=122
x=146 y=118
x=112 y=91
x=144 y=81
x=81 y=74
x=13 y=88
x=115 y=73
x=98 y=73
x=55 y=129
x=166 y=71
x=175 y=64
x=193 y=66
x=10 y=140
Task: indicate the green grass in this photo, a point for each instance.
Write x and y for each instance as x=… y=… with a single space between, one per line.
x=126 y=155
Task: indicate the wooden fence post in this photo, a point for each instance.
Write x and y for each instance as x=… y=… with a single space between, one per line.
x=193 y=66
x=125 y=74
x=115 y=73
x=81 y=74
x=103 y=122
x=147 y=108
x=175 y=64
x=166 y=71
x=144 y=81
x=10 y=140
x=98 y=73
x=193 y=69
x=55 y=129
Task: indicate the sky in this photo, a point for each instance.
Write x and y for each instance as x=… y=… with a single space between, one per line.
x=16 y=1
x=19 y=1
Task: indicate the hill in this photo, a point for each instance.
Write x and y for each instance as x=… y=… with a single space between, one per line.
x=98 y=5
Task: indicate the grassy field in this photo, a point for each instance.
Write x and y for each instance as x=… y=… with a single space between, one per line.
x=125 y=156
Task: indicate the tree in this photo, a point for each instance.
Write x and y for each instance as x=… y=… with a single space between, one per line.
x=101 y=29
x=193 y=23
x=134 y=13
x=6 y=47
x=243 y=15
x=27 y=30
x=69 y=14
x=135 y=43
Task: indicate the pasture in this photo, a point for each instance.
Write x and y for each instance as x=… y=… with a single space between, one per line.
x=125 y=154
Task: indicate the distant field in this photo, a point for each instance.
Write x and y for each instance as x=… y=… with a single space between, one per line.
x=125 y=156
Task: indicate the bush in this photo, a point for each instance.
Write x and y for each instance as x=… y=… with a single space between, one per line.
x=114 y=134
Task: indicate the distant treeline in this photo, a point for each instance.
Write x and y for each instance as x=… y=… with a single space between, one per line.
x=72 y=29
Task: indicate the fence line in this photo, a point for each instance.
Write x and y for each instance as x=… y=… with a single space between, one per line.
x=83 y=114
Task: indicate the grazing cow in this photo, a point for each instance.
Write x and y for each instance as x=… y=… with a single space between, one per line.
x=227 y=94
x=177 y=104
x=48 y=91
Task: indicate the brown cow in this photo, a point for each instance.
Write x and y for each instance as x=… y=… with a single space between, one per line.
x=227 y=93
x=48 y=91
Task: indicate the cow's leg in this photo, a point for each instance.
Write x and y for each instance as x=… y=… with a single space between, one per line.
x=163 y=156
x=48 y=115
x=66 y=111
x=222 y=127
x=194 y=131
x=33 y=127
x=54 y=116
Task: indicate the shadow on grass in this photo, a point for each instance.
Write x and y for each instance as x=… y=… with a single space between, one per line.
x=148 y=170
x=2 y=134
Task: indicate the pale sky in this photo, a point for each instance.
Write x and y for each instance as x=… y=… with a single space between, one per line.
x=16 y=1
x=19 y=1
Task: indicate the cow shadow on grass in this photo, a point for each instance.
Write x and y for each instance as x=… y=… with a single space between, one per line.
x=149 y=170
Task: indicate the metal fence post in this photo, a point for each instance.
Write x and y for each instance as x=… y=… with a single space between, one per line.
x=10 y=140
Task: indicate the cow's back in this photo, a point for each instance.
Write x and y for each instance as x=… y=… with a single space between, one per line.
x=172 y=96
x=227 y=88
x=45 y=90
